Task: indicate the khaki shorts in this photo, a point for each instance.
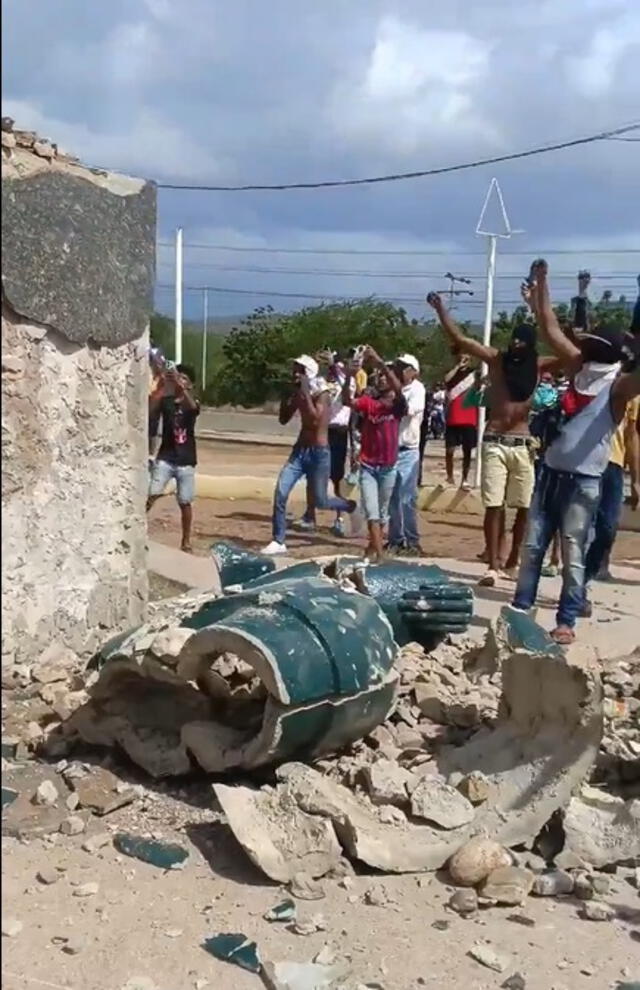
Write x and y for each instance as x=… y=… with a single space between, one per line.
x=507 y=476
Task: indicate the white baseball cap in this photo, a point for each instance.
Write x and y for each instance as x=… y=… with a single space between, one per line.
x=410 y=361
x=309 y=365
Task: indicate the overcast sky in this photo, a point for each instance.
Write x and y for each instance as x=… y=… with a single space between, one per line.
x=288 y=90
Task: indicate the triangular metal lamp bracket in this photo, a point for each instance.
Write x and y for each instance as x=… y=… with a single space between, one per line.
x=494 y=186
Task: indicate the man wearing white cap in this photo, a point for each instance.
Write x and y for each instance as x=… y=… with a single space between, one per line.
x=310 y=457
x=403 y=517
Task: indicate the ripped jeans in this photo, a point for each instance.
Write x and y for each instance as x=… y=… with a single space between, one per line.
x=567 y=503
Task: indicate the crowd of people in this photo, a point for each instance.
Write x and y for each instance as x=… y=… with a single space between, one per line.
x=561 y=430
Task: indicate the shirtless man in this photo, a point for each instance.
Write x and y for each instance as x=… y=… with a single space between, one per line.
x=310 y=456
x=507 y=462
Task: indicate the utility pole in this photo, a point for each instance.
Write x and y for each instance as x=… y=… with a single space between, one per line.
x=492 y=251
x=178 y=321
x=205 y=317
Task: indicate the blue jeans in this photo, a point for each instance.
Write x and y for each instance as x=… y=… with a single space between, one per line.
x=314 y=464
x=607 y=519
x=376 y=488
x=403 y=521
x=564 y=502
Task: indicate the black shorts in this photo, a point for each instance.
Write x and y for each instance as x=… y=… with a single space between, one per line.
x=461 y=436
x=338 y=442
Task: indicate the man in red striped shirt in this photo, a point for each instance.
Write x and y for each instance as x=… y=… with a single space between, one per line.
x=461 y=419
x=379 y=433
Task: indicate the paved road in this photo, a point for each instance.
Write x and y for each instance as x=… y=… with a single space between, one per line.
x=266 y=428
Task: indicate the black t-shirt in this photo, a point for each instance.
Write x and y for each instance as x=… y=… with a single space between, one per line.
x=178 y=433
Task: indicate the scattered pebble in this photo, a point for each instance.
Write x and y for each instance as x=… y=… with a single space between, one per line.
x=11 y=927
x=86 y=890
x=597 y=911
x=488 y=957
x=46 y=794
x=73 y=825
x=174 y=932
x=97 y=842
x=464 y=901
x=48 y=875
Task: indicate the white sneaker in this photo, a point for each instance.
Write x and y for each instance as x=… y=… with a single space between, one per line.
x=274 y=549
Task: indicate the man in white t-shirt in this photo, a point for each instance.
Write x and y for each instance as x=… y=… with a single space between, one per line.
x=403 y=519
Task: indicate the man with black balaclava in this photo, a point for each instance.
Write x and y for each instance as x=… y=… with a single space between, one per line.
x=602 y=364
x=507 y=458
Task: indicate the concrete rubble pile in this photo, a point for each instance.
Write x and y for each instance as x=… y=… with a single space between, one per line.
x=491 y=759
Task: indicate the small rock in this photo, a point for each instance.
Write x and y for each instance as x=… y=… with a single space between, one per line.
x=97 y=842
x=317 y=923
x=488 y=957
x=582 y=886
x=73 y=825
x=86 y=890
x=8 y=140
x=568 y=860
x=597 y=911
x=475 y=786
x=377 y=896
x=522 y=919
x=464 y=901
x=72 y=802
x=381 y=736
x=326 y=957
x=386 y=783
x=475 y=860
x=46 y=794
x=508 y=885
x=44 y=149
x=601 y=884
x=48 y=875
x=11 y=927
x=390 y=815
x=74 y=945
x=438 y=802
x=515 y=982
x=556 y=883
x=173 y=932
x=102 y=792
x=139 y=983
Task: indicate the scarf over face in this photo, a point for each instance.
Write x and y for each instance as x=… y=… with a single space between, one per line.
x=520 y=364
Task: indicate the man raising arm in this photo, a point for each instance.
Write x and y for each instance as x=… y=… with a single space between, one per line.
x=507 y=464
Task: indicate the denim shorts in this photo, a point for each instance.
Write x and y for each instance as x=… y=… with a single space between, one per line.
x=376 y=489
x=185 y=478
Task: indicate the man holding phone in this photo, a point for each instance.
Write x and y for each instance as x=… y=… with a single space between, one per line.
x=173 y=401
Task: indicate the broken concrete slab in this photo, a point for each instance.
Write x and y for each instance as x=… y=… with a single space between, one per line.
x=602 y=829
x=302 y=976
x=101 y=791
x=280 y=838
x=436 y=801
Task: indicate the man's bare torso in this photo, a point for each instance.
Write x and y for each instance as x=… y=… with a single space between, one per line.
x=313 y=433
x=505 y=415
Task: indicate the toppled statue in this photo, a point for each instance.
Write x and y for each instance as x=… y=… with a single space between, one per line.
x=284 y=664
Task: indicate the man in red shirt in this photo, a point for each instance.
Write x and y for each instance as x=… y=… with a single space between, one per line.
x=461 y=418
x=379 y=432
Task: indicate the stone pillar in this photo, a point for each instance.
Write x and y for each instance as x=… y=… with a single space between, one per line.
x=77 y=291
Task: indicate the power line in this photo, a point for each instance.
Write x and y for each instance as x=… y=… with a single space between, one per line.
x=326 y=296
x=383 y=274
x=434 y=254
x=396 y=177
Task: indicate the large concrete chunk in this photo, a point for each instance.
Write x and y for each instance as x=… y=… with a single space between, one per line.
x=56 y=269
x=602 y=829
x=276 y=835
